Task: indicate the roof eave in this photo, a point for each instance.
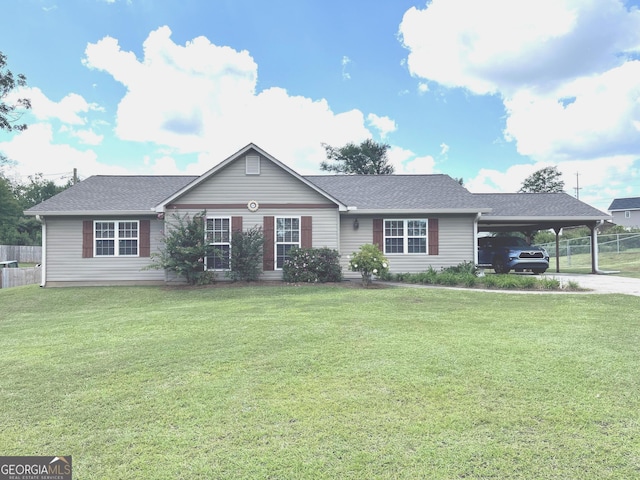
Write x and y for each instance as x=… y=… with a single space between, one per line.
x=411 y=211
x=91 y=213
x=543 y=218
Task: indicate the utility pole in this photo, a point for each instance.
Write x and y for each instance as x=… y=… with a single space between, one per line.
x=577 y=187
x=75 y=176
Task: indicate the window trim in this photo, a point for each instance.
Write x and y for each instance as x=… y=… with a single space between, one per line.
x=627 y=214
x=276 y=242
x=405 y=236
x=215 y=244
x=116 y=239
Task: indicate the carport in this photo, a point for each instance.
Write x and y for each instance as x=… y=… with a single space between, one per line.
x=530 y=212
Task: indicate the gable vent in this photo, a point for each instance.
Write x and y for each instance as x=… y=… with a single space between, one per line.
x=252 y=164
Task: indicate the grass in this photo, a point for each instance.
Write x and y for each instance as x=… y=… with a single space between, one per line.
x=321 y=382
x=627 y=263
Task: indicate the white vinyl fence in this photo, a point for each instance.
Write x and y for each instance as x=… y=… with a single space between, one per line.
x=16 y=277
x=21 y=253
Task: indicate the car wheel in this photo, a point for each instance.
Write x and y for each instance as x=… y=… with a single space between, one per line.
x=539 y=271
x=499 y=266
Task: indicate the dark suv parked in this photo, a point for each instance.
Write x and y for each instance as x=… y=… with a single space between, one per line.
x=511 y=253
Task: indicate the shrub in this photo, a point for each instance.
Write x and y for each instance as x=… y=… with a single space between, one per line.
x=462 y=268
x=447 y=278
x=369 y=261
x=246 y=255
x=469 y=280
x=184 y=249
x=490 y=281
x=311 y=265
x=549 y=283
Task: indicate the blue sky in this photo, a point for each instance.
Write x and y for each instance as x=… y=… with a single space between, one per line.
x=488 y=91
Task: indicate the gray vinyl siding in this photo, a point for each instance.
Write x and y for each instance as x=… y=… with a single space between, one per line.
x=456 y=236
x=233 y=185
x=64 y=262
x=632 y=222
x=324 y=226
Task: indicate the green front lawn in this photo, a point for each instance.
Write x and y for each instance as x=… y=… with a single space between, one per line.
x=321 y=382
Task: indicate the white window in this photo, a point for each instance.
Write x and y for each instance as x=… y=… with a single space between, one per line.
x=287 y=236
x=218 y=236
x=627 y=214
x=405 y=236
x=116 y=238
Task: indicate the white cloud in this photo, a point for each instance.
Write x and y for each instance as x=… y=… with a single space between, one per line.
x=406 y=162
x=69 y=110
x=615 y=171
x=587 y=117
x=201 y=98
x=384 y=125
x=502 y=45
x=564 y=70
x=444 y=149
x=345 y=63
x=36 y=151
x=88 y=137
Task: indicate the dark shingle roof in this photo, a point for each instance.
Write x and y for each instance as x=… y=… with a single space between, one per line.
x=632 y=203
x=536 y=205
x=408 y=192
x=374 y=193
x=107 y=193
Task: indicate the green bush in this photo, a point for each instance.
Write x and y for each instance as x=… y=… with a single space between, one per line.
x=448 y=278
x=312 y=265
x=490 y=281
x=184 y=249
x=549 y=283
x=462 y=268
x=246 y=255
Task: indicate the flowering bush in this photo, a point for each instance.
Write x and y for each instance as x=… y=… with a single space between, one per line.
x=311 y=265
x=369 y=261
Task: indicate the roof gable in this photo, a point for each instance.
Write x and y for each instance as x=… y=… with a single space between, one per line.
x=238 y=156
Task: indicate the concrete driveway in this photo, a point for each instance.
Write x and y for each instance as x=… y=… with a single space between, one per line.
x=600 y=283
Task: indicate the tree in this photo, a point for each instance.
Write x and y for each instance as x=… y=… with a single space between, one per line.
x=8 y=114
x=545 y=180
x=38 y=190
x=10 y=213
x=368 y=158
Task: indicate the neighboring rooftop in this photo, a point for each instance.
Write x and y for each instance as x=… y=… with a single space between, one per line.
x=631 y=203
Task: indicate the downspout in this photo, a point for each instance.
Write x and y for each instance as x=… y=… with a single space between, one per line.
x=475 y=238
x=595 y=268
x=43 y=263
x=557 y=232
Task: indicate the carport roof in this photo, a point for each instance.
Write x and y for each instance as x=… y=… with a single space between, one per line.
x=535 y=211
